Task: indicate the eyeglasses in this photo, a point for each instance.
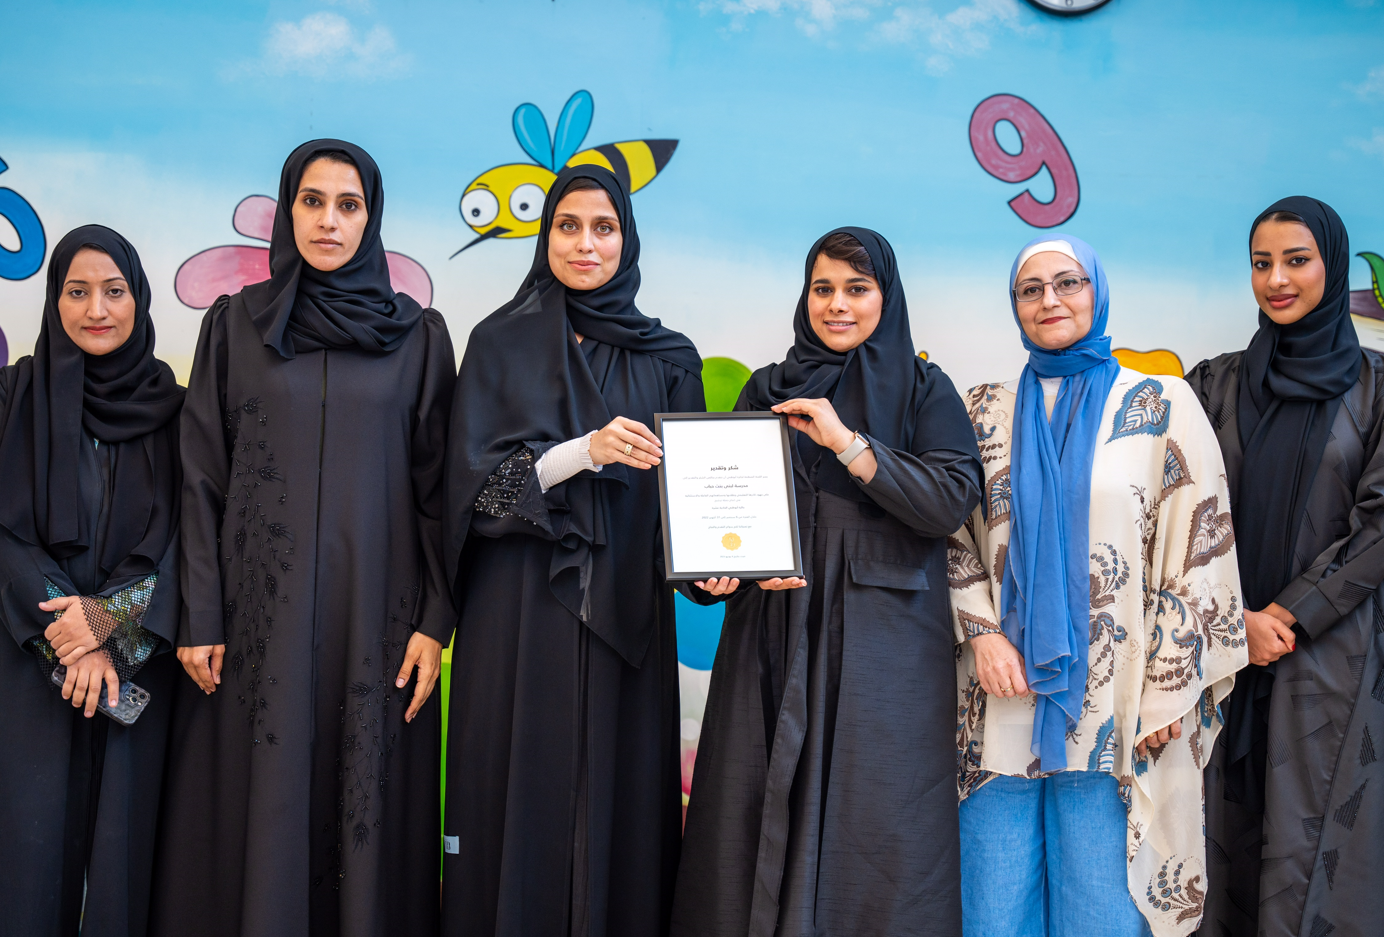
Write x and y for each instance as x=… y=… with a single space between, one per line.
x=1066 y=284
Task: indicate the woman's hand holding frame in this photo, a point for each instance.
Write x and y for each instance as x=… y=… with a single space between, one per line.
x=608 y=444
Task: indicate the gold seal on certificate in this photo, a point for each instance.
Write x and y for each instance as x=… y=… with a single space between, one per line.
x=726 y=487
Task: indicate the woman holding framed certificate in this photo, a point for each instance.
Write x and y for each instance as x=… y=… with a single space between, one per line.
x=563 y=781
x=823 y=799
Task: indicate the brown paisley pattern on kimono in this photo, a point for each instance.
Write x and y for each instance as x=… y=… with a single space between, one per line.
x=1148 y=529
x=1202 y=622
x=997 y=499
x=970 y=714
x=963 y=566
x=1175 y=473
x=1109 y=574
x=1177 y=891
x=984 y=421
x=258 y=558
x=1212 y=535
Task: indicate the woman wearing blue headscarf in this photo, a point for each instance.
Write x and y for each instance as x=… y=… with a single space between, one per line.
x=1097 y=607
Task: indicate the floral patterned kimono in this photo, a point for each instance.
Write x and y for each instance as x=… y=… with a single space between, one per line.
x=1167 y=633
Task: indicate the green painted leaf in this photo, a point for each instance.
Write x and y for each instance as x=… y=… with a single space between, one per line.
x=723 y=379
x=1376 y=272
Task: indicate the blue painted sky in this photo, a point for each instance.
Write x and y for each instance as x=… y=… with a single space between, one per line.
x=1183 y=119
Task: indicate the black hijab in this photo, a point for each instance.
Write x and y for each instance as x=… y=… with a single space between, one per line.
x=127 y=399
x=525 y=379
x=878 y=388
x=301 y=308
x=1292 y=379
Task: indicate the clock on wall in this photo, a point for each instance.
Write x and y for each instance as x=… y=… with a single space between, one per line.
x=1068 y=7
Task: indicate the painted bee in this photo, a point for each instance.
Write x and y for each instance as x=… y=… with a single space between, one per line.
x=507 y=201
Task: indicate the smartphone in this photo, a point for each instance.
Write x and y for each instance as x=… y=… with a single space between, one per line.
x=133 y=699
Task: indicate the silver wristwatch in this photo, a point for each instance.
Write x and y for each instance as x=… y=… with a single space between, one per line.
x=852 y=452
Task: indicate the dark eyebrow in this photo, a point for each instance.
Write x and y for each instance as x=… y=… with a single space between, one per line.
x=311 y=191
x=1291 y=250
x=597 y=220
x=84 y=282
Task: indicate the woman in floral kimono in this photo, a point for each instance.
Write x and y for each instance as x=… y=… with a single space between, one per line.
x=1097 y=610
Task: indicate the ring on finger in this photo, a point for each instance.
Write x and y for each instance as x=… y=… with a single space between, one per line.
x=629 y=447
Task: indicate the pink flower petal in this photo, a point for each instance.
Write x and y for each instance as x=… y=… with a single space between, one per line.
x=254 y=217
x=219 y=271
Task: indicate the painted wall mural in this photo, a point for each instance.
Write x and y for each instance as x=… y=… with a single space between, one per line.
x=954 y=127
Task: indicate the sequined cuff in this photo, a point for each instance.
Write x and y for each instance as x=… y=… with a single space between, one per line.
x=504 y=487
x=115 y=621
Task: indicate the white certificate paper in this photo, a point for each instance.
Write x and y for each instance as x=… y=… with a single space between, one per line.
x=728 y=496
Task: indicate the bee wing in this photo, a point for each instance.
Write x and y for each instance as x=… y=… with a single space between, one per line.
x=572 y=125
x=254 y=217
x=407 y=275
x=219 y=271
x=531 y=130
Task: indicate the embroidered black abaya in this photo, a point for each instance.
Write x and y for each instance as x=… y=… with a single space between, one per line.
x=1295 y=824
x=88 y=451
x=824 y=795
x=563 y=793
x=300 y=802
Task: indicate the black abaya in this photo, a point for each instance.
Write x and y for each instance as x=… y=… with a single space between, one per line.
x=563 y=774
x=824 y=798
x=89 y=508
x=563 y=789
x=1293 y=830
x=300 y=802
x=82 y=794
x=1307 y=858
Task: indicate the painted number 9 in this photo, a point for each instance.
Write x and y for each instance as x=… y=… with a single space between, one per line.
x=1039 y=146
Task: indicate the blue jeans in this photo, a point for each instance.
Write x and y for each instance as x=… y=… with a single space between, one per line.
x=1046 y=856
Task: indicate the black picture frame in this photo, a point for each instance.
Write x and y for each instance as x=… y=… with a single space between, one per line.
x=673 y=574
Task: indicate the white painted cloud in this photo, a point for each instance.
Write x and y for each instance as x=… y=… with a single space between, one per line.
x=1372 y=86
x=963 y=30
x=1374 y=145
x=325 y=45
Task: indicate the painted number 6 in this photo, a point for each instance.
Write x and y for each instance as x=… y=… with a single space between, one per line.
x=1039 y=146
x=25 y=262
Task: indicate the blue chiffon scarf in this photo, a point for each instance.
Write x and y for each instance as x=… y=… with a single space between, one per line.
x=1045 y=595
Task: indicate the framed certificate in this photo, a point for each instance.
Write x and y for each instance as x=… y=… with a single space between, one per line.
x=726 y=490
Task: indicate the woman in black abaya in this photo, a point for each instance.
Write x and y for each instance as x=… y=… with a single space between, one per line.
x=824 y=798
x=563 y=794
x=1295 y=820
x=88 y=528
x=304 y=797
